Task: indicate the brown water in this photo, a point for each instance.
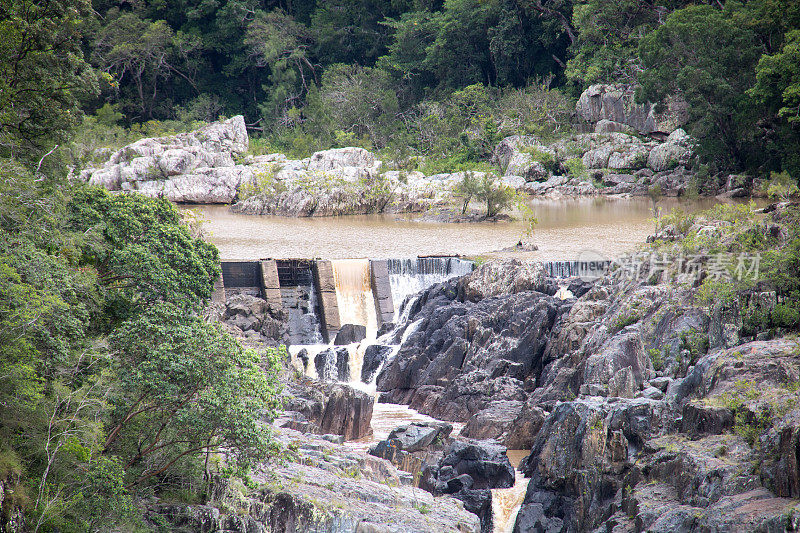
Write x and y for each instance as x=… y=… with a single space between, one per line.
x=565 y=228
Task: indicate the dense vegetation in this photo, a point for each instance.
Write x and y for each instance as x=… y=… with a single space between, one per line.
x=442 y=77
x=112 y=384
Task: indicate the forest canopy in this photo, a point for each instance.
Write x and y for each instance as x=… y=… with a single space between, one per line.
x=323 y=73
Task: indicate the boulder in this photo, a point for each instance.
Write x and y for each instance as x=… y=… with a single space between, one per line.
x=616 y=104
x=342 y=158
x=375 y=356
x=465 y=355
x=494 y=422
x=467 y=471
x=190 y=167
x=417 y=436
x=350 y=334
x=675 y=151
x=411 y=446
x=609 y=126
x=333 y=364
x=328 y=408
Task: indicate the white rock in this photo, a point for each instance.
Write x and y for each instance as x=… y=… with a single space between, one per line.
x=166 y=166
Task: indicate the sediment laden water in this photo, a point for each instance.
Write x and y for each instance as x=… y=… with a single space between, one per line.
x=564 y=229
x=354 y=294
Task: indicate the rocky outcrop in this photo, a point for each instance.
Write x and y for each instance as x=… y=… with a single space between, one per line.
x=375 y=356
x=250 y=318
x=643 y=411
x=328 y=408
x=411 y=446
x=350 y=333
x=467 y=471
x=326 y=488
x=615 y=161
x=199 y=166
x=612 y=107
x=464 y=355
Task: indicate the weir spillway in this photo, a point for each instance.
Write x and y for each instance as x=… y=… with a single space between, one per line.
x=320 y=296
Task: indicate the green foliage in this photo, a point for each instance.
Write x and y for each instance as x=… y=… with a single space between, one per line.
x=496 y=196
x=141 y=251
x=186 y=387
x=778 y=79
x=575 y=168
x=265 y=183
x=467 y=189
x=625 y=319
x=601 y=59
x=352 y=99
x=43 y=75
x=782 y=186
x=709 y=57
x=657 y=358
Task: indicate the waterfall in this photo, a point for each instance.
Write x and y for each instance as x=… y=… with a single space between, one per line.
x=354 y=294
x=410 y=276
x=300 y=304
x=506 y=503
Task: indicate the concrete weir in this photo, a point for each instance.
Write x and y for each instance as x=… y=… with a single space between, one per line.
x=301 y=288
x=382 y=290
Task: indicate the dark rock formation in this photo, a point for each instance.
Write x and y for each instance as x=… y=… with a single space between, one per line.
x=465 y=354
x=333 y=364
x=333 y=408
x=409 y=447
x=494 y=422
x=250 y=317
x=467 y=471
x=374 y=356
x=327 y=488
x=350 y=333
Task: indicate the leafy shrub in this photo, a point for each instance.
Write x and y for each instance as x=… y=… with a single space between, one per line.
x=265 y=183
x=781 y=186
x=575 y=168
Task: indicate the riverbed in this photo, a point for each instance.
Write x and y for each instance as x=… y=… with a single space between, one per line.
x=564 y=229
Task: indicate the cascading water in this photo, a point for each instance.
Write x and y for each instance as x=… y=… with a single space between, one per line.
x=300 y=304
x=506 y=503
x=410 y=276
x=354 y=294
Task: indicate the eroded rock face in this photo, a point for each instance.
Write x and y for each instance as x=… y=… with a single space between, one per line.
x=250 y=317
x=328 y=408
x=467 y=471
x=616 y=104
x=198 y=166
x=464 y=355
x=411 y=446
x=634 y=418
x=327 y=489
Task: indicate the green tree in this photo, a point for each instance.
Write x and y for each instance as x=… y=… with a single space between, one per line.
x=705 y=55
x=467 y=189
x=43 y=74
x=498 y=197
x=145 y=54
x=353 y=99
x=141 y=251
x=283 y=46
x=185 y=387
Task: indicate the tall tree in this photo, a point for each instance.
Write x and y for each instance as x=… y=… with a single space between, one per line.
x=43 y=74
x=703 y=54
